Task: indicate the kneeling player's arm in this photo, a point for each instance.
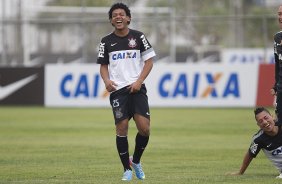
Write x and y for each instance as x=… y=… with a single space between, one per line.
x=246 y=162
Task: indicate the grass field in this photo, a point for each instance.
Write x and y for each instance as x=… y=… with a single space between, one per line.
x=53 y=145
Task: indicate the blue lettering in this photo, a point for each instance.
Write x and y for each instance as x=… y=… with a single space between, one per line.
x=245 y=58
x=181 y=86
x=134 y=55
x=64 y=91
x=96 y=85
x=196 y=85
x=162 y=91
x=124 y=55
x=233 y=59
x=119 y=56
x=277 y=151
x=82 y=87
x=232 y=86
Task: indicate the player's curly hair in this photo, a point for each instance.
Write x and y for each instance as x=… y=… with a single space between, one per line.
x=259 y=110
x=119 y=6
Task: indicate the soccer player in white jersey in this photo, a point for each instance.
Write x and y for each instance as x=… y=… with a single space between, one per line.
x=126 y=59
x=268 y=139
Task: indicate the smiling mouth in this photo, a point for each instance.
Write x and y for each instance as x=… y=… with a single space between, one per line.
x=267 y=125
x=119 y=22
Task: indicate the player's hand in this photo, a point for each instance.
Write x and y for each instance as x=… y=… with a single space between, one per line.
x=110 y=85
x=272 y=92
x=135 y=87
x=233 y=173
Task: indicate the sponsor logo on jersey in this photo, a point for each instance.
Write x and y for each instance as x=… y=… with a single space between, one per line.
x=101 y=50
x=280 y=56
x=145 y=42
x=113 y=44
x=132 y=43
x=277 y=151
x=253 y=147
x=124 y=55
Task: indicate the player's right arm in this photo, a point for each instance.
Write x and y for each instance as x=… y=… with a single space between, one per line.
x=246 y=162
x=251 y=153
x=103 y=60
x=104 y=72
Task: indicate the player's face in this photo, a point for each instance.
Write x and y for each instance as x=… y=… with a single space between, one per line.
x=265 y=121
x=119 y=19
x=279 y=14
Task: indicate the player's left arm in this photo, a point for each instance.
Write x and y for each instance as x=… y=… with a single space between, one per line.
x=135 y=87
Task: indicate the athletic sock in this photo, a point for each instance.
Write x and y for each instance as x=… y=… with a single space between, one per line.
x=140 y=145
x=122 y=147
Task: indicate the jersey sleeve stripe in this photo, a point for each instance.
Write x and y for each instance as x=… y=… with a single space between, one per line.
x=148 y=54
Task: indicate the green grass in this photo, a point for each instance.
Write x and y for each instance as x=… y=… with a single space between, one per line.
x=54 y=145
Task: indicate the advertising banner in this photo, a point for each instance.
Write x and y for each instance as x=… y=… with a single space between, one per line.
x=175 y=85
x=22 y=86
x=74 y=85
x=213 y=85
x=247 y=56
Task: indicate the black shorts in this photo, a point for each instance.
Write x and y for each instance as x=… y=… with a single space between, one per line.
x=125 y=104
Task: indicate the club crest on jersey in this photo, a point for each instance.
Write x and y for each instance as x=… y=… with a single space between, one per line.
x=132 y=42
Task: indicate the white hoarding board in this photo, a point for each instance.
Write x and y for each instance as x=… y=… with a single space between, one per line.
x=168 y=85
x=247 y=56
x=74 y=85
x=214 y=85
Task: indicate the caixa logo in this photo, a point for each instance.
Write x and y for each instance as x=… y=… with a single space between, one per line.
x=199 y=85
x=124 y=55
x=82 y=85
x=277 y=151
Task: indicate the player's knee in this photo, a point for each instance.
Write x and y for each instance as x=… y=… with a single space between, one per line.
x=122 y=131
x=145 y=132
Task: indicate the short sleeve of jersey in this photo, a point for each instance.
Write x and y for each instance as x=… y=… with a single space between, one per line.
x=146 y=48
x=278 y=43
x=254 y=148
x=103 y=56
x=275 y=48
